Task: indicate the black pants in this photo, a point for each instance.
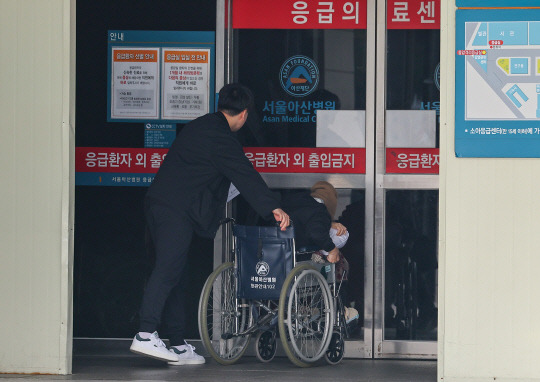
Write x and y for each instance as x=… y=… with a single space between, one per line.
x=164 y=297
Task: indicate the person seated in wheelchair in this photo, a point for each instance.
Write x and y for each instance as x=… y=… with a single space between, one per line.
x=312 y=214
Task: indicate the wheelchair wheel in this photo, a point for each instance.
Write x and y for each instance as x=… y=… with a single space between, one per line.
x=336 y=349
x=305 y=315
x=222 y=317
x=412 y=298
x=265 y=345
x=407 y=301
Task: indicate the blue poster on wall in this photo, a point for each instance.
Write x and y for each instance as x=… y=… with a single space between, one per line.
x=497 y=3
x=160 y=76
x=497 y=83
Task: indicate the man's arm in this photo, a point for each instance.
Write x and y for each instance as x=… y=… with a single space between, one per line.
x=231 y=161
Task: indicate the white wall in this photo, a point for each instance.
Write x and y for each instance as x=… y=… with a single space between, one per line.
x=37 y=49
x=489 y=299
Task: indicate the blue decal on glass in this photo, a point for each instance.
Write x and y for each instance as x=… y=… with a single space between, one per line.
x=299 y=76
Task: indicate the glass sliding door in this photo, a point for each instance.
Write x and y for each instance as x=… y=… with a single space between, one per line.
x=306 y=63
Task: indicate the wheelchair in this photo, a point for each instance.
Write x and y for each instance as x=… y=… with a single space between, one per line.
x=308 y=317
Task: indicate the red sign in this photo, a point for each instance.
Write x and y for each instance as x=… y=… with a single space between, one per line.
x=413 y=14
x=412 y=161
x=120 y=160
x=264 y=159
x=308 y=160
x=294 y=14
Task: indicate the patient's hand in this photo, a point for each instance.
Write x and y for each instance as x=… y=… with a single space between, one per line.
x=333 y=256
x=340 y=228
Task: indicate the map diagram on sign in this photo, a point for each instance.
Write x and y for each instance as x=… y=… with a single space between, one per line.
x=502 y=70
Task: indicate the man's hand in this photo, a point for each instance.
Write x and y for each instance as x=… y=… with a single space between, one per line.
x=282 y=217
x=333 y=256
x=340 y=228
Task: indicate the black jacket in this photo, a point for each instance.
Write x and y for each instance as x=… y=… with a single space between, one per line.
x=196 y=174
x=310 y=219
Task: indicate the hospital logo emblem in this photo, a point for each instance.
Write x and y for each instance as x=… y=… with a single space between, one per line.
x=262 y=268
x=299 y=76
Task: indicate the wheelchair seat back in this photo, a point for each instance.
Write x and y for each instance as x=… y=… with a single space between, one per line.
x=264 y=258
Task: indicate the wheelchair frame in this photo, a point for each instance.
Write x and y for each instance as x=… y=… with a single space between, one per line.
x=309 y=315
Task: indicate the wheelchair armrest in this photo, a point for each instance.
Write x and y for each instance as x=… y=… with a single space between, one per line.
x=306 y=249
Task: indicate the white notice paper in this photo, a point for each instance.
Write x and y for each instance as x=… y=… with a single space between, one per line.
x=135 y=83
x=341 y=128
x=411 y=128
x=186 y=83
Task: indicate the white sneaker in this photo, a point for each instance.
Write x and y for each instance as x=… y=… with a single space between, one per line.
x=152 y=347
x=186 y=355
